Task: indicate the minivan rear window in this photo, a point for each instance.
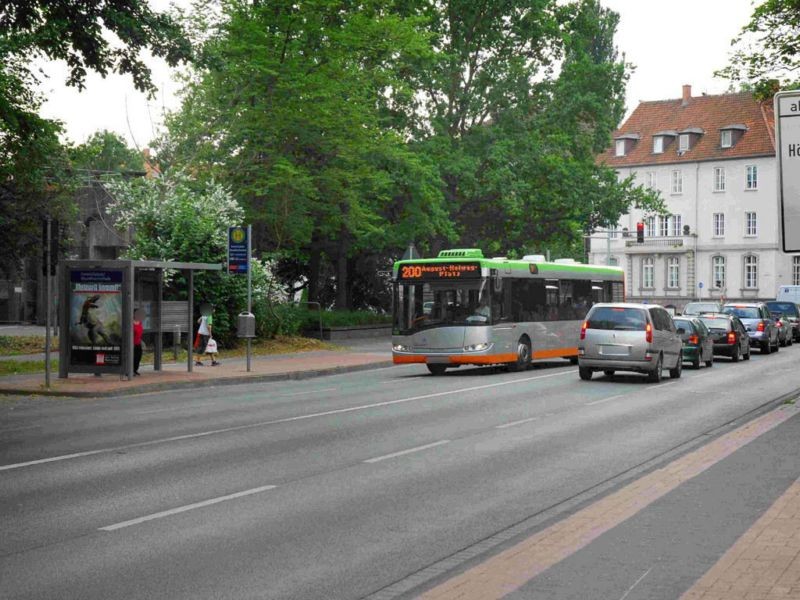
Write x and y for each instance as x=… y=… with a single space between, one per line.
x=743 y=312
x=609 y=317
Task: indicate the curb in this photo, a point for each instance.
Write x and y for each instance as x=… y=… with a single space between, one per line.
x=184 y=385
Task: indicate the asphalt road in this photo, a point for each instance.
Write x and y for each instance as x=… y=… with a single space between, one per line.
x=328 y=488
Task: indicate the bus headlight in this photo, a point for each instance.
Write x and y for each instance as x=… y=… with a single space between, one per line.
x=476 y=347
x=401 y=348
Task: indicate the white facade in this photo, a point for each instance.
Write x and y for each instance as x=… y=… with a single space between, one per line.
x=721 y=240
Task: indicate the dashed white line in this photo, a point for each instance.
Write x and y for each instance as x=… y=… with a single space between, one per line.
x=338 y=411
x=330 y=389
x=513 y=423
x=180 y=509
x=605 y=400
x=404 y=452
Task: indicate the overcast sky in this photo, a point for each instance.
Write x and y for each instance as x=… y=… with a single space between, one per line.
x=671 y=43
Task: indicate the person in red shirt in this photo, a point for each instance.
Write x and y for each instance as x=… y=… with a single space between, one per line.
x=138 y=330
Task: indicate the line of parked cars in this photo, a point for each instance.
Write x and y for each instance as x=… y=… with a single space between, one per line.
x=645 y=338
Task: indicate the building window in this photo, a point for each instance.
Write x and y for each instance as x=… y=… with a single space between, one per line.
x=613 y=232
x=796 y=270
x=719 y=179
x=663 y=226
x=726 y=138
x=649 y=226
x=652 y=180
x=751 y=177
x=683 y=142
x=674 y=272
x=613 y=261
x=677 y=182
x=718 y=272
x=648 y=273
x=676 y=225
x=750 y=272
x=620 y=147
x=658 y=144
x=750 y=224
x=719 y=224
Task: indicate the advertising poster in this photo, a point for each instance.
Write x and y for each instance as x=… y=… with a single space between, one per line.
x=95 y=324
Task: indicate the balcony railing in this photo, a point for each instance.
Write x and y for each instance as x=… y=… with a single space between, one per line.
x=656 y=242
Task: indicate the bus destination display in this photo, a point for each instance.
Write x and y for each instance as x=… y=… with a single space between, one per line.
x=439 y=271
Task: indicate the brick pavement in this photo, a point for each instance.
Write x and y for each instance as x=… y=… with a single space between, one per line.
x=764 y=564
x=514 y=567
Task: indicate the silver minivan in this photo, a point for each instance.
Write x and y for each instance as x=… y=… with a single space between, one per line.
x=629 y=337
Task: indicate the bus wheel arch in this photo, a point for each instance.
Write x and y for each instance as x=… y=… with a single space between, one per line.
x=524 y=349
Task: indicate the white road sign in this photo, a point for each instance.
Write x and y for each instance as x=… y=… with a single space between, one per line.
x=787 y=127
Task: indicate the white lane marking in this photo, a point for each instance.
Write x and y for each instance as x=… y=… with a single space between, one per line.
x=605 y=400
x=515 y=423
x=326 y=413
x=409 y=451
x=330 y=389
x=12 y=429
x=637 y=582
x=180 y=509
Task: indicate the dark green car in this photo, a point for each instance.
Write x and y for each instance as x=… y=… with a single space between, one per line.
x=697 y=343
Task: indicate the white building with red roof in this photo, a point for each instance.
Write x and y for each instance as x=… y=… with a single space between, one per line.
x=713 y=160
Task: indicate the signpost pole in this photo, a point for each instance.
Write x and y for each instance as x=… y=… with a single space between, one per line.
x=249 y=287
x=48 y=303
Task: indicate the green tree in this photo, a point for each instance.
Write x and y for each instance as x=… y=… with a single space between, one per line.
x=33 y=179
x=105 y=151
x=523 y=96
x=177 y=218
x=291 y=104
x=767 y=55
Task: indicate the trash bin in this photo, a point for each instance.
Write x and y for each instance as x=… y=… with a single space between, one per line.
x=246 y=325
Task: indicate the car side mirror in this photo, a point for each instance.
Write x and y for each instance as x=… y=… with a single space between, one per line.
x=681 y=331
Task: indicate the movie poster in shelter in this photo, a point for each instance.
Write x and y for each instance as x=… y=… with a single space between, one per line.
x=95 y=325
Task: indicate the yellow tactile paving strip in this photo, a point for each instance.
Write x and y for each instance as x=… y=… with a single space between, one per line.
x=763 y=564
x=514 y=567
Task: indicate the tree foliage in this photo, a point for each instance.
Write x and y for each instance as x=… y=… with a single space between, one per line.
x=767 y=55
x=105 y=151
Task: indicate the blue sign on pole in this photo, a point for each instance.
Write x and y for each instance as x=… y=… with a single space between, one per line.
x=238 y=246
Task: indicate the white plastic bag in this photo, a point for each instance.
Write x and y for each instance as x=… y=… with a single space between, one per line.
x=211 y=346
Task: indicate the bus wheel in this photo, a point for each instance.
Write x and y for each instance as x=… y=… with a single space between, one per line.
x=523 y=356
x=437 y=369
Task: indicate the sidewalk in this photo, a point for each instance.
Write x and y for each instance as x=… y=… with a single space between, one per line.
x=301 y=365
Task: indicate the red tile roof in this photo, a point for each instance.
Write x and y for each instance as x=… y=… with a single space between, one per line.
x=709 y=113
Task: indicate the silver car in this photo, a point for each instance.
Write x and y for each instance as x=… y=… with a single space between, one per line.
x=759 y=324
x=629 y=337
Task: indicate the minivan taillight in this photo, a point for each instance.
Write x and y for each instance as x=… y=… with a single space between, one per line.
x=648 y=333
x=760 y=326
x=583 y=329
x=731 y=337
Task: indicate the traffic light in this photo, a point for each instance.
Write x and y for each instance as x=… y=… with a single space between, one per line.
x=640 y=232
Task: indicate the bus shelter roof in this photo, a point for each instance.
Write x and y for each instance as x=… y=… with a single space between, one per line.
x=150 y=264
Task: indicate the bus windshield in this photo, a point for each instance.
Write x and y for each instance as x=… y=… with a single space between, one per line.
x=421 y=306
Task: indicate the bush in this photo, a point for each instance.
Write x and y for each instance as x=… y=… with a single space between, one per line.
x=277 y=319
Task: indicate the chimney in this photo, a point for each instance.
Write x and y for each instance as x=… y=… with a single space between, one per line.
x=687 y=95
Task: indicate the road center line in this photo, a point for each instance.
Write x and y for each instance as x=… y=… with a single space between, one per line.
x=309 y=392
x=180 y=509
x=326 y=413
x=515 y=423
x=609 y=399
x=409 y=451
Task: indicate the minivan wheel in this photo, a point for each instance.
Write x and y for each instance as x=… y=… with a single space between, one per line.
x=766 y=347
x=676 y=372
x=654 y=376
x=585 y=373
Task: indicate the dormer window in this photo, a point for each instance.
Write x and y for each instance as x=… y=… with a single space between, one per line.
x=662 y=139
x=730 y=134
x=623 y=144
x=688 y=138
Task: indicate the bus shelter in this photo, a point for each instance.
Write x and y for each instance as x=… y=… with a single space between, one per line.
x=98 y=298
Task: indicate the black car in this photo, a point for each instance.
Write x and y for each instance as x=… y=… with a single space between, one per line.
x=728 y=334
x=697 y=343
x=790 y=311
